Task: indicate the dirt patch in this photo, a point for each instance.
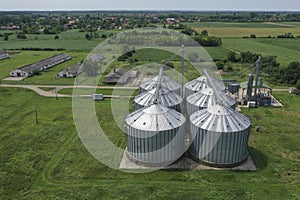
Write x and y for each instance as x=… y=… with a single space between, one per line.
x=14 y=78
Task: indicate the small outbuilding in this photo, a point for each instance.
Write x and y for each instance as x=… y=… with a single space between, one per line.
x=70 y=72
x=120 y=76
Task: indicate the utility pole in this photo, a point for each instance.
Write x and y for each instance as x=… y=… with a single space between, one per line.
x=182 y=70
x=36 y=117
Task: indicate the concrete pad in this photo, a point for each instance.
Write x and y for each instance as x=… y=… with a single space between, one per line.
x=14 y=78
x=185 y=163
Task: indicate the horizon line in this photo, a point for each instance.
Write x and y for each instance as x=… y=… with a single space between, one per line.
x=145 y=10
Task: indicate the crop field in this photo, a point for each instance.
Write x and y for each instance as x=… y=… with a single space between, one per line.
x=47 y=160
x=265 y=29
x=242 y=32
x=238 y=25
x=286 y=50
x=71 y=40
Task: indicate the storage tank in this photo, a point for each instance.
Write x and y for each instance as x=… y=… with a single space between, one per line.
x=206 y=98
x=195 y=85
x=155 y=135
x=166 y=97
x=220 y=136
x=165 y=82
x=233 y=88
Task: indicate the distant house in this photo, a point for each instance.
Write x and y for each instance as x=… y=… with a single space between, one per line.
x=3 y=54
x=70 y=72
x=120 y=76
x=31 y=69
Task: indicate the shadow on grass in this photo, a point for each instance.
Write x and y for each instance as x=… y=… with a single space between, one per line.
x=260 y=159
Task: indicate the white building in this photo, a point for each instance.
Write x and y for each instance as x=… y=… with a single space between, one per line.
x=31 y=69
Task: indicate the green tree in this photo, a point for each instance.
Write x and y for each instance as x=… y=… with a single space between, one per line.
x=232 y=56
x=56 y=37
x=204 y=33
x=88 y=36
x=298 y=85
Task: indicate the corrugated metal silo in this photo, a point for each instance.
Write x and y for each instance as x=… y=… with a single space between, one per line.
x=206 y=98
x=220 y=136
x=195 y=86
x=155 y=135
x=165 y=82
x=166 y=97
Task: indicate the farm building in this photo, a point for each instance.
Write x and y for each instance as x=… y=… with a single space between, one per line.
x=29 y=70
x=70 y=72
x=3 y=54
x=95 y=57
x=120 y=76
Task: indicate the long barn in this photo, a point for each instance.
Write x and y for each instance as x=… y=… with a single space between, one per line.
x=3 y=54
x=31 y=69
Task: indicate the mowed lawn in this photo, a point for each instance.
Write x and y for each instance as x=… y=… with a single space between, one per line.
x=48 y=161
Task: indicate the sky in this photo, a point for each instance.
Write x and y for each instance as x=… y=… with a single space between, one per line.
x=263 y=5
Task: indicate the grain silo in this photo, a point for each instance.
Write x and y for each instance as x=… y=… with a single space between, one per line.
x=165 y=96
x=165 y=82
x=155 y=135
x=219 y=136
x=195 y=85
x=206 y=98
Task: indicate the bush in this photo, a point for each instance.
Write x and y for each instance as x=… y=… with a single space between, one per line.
x=220 y=65
x=21 y=36
x=207 y=40
x=229 y=68
x=231 y=56
x=286 y=35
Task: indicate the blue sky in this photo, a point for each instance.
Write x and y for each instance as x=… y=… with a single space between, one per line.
x=269 y=5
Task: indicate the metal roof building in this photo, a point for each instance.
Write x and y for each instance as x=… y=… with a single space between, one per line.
x=155 y=135
x=29 y=70
x=220 y=136
x=70 y=72
x=206 y=98
x=165 y=82
x=3 y=54
x=166 y=97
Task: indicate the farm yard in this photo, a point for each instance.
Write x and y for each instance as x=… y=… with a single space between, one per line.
x=42 y=156
x=45 y=160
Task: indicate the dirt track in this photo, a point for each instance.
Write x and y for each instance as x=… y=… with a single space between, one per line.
x=53 y=93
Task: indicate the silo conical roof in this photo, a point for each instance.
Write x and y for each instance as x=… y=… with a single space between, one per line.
x=165 y=82
x=155 y=118
x=206 y=98
x=166 y=97
x=195 y=85
x=220 y=119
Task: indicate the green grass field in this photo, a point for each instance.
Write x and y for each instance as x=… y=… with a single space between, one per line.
x=286 y=50
x=237 y=25
x=47 y=160
x=48 y=77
